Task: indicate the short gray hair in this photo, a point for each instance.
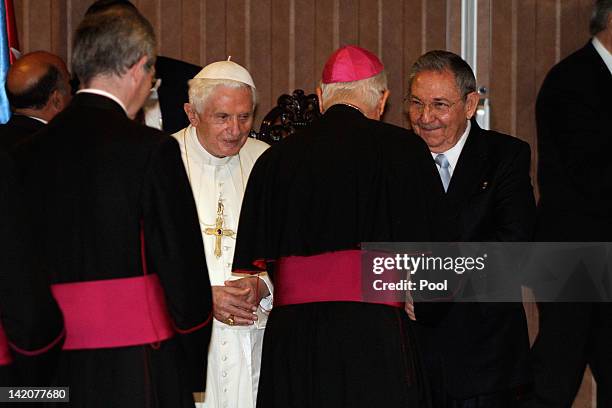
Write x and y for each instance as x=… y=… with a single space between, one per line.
x=200 y=89
x=599 y=18
x=110 y=42
x=367 y=91
x=440 y=61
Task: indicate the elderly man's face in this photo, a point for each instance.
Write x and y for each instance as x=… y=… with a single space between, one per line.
x=226 y=120
x=437 y=110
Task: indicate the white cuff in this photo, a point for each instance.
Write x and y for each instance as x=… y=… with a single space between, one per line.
x=267 y=303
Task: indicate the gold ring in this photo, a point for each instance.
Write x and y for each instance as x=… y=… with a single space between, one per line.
x=230 y=320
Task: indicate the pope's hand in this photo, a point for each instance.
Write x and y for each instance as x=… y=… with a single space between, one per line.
x=257 y=288
x=235 y=303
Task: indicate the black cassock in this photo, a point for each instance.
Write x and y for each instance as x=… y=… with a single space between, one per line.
x=31 y=320
x=344 y=180
x=94 y=181
x=18 y=128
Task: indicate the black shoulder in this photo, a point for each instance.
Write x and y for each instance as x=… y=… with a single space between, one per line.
x=584 y=63
x=504 y=144
x=399 y=136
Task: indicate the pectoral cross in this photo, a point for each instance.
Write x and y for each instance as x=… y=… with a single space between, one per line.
x=218 y=230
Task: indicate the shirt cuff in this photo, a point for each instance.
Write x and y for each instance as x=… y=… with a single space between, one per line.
x=267 y=303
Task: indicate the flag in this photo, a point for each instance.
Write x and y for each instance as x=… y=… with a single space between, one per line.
x=8 y=40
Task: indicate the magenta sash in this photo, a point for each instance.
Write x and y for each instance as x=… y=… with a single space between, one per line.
x=5 y=354
x=329 y=277
x=114 y=312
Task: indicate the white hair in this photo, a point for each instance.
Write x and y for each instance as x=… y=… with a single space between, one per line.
x=200 y=89
x=368 y=91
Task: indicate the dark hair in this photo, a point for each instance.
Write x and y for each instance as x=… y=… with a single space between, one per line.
x=101 y=5
x=36 y=96
x=440 y=61
x=109 y=42
x=599 y=18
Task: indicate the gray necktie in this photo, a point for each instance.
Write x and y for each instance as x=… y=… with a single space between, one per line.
x=442 y=161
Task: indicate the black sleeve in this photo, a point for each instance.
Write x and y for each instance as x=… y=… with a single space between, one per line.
x=514 y=212
x=257 y=243
x=175 y=252
x=31 y=318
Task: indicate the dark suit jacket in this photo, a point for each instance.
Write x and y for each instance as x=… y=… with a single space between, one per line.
x=574 y=119
x=478 y=348
x=18 y=128
x=94 y=179
x=172 y=92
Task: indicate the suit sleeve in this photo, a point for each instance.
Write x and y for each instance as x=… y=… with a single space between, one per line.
x=514 y=212
x=175 y=252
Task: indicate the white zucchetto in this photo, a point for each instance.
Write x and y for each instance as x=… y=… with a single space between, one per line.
x=226 y=70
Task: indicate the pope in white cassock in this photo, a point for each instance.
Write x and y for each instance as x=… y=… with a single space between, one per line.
x=218 y=156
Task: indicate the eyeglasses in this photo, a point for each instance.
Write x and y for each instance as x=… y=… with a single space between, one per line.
x=437 y=107
x=154 y=85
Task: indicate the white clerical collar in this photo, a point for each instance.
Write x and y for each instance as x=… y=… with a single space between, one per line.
x=201 y=153
x=452 y=154
x=152 y=110
x=103 y=93
x=603 y=52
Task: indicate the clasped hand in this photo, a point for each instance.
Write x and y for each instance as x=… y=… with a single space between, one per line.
x=238 y=300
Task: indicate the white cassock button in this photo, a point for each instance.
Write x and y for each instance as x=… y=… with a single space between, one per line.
x=224 y=358
x=224 y=374
x=225 y=390
x=223 y=343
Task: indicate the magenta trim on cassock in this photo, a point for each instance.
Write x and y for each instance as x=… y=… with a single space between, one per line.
x=39 y=351
x=114 y=312
x=5 y=354
x=329 y=277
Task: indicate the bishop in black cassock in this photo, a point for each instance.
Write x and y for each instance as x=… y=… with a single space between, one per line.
x=117 y=231
x=310 y=202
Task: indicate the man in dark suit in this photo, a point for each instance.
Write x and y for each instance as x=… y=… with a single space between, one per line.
x=164 y=109
x=38 y=88
x=476 y=353
x=574 y=121
x=117 y=231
